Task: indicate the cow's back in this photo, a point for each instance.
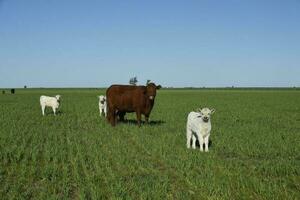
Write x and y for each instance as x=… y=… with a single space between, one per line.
x=124 y=97
x=119 y=90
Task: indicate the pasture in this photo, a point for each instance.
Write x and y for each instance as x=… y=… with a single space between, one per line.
x=255 y=150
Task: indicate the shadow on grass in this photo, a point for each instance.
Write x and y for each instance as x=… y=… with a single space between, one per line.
x=58 y=112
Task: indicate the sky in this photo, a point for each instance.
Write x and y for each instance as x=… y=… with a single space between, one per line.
x=192 y=43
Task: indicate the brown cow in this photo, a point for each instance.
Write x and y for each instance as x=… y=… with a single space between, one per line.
x=127 y=98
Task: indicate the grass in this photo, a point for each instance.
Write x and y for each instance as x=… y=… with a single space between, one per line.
x=255 y=151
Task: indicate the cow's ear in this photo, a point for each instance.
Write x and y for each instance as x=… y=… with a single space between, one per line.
x=158 y=87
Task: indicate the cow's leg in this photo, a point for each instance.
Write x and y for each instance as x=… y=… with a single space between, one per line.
x=121 y=116
x=139 y=117
x=113 y=117
x=100 y=110
x=108 y=118
x=147 y=119
x=109 y=114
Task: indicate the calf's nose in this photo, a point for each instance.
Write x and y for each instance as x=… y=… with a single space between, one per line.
x=205 y=119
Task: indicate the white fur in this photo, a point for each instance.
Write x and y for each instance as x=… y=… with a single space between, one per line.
x=197 y=128
x=53 y=102
x=102 y=105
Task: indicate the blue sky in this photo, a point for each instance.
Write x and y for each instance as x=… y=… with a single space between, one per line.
x=60 y=43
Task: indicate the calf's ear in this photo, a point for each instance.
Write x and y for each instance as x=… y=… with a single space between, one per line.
x=158 y=87
x=212 y=110
x=198 y=110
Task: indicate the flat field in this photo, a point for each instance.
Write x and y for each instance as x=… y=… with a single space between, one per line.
x=255 y=150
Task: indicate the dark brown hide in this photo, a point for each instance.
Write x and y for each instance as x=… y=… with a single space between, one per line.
x=126 y=98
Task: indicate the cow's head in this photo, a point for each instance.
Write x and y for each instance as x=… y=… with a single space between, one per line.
x=205 y=113
x=151 y=90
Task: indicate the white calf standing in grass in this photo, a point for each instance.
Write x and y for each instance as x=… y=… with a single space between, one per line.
x=198 y=127
x=102 y=105
x=53 y=102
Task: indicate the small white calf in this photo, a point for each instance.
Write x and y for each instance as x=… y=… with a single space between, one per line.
x=198 y=127
x=53 y=102
x=102 y=105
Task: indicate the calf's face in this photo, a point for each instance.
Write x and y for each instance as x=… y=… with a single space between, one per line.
x=102 y=99
x=205 y=114
x=58 y=98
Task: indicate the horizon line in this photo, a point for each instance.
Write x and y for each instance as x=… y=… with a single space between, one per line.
x=166 y=87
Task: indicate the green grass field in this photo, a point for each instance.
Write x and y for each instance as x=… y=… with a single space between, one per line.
x=255 y=151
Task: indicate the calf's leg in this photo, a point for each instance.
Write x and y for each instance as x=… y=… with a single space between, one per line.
x=194 y=139
x=105 y=111
x=43 y=110
x=206 y=143
x=201 y=141
x=54 y=110
x=188 y=138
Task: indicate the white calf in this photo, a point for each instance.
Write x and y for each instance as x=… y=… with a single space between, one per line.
x=102 y=105
x=53 y=102
x=198 y=127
